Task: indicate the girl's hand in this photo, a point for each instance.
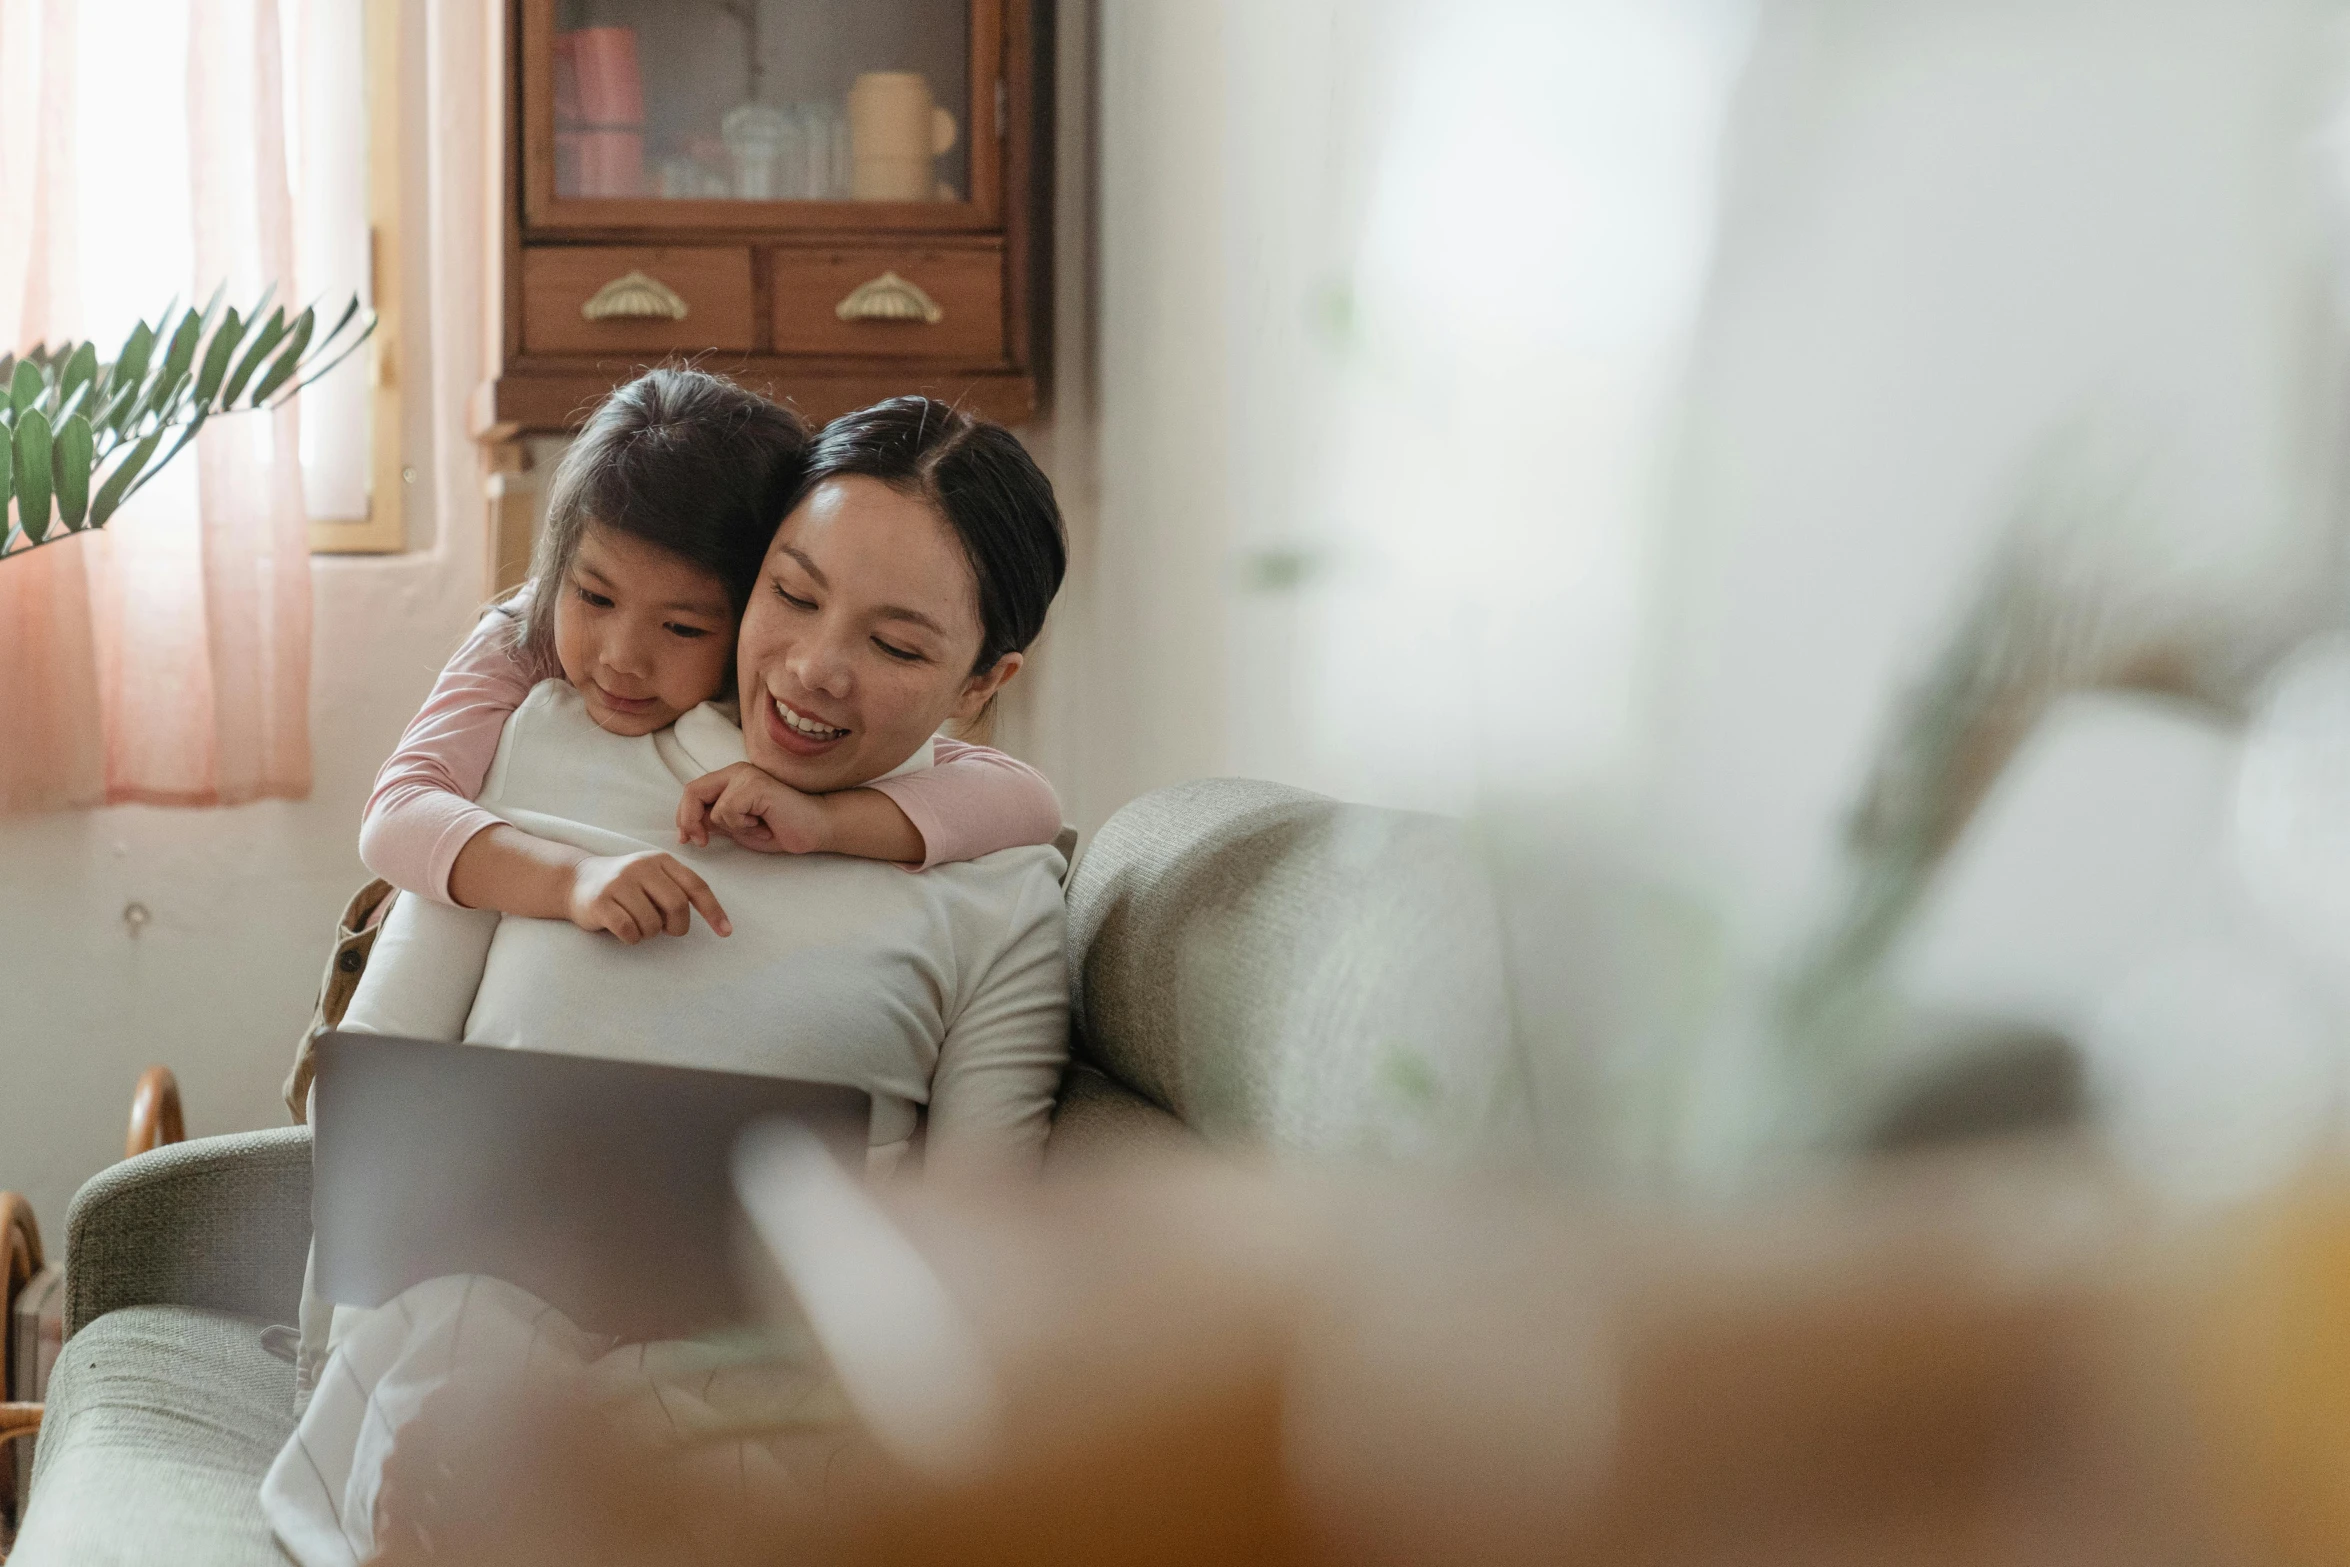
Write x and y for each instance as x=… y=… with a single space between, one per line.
x=755 y=811
x=634 y=896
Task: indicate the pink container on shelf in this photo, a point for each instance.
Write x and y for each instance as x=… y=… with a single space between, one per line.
x=608 y=129
x=611 y=88
x=611 y=163
x=567 y=78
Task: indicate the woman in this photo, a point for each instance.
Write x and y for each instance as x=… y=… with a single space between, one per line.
x=900 y=593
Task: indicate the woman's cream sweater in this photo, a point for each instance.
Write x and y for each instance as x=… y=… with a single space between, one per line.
x=944 y=991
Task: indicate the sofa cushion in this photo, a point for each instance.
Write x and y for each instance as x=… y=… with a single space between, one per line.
x=1097 y=1120
x=1279 y=968
x=161 y=1422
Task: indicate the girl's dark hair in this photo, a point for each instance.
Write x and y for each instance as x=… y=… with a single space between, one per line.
x=684 y=460
x=983 y=482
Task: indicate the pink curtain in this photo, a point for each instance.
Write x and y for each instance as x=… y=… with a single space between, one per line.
x=166 y=660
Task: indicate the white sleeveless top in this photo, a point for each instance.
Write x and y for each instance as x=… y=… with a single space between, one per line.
x=945 y=989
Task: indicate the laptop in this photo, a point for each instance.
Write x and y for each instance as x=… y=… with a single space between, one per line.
x=602 y=1187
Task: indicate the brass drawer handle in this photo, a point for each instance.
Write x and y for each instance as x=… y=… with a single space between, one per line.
x=635 y=297
x=889 y=298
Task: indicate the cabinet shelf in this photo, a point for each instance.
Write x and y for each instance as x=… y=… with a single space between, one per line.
x=626 y=119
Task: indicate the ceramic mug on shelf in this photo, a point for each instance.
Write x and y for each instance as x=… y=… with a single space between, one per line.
x=897 y=133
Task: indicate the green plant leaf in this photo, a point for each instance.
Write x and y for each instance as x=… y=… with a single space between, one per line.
x=322 y=362
x=283 y=366
x=271 y=331
x=130 y=366
x=126 y=381
x=25 y=389
x=119 y=413
x=182 y=352
x=7 y=485
x=163 y=401
x=118 y=483
x=169 y=373
x=224 y=343
x=32 y=473
x=71 y=457
x=267 y=294
x=81 y=374
x=350 y=310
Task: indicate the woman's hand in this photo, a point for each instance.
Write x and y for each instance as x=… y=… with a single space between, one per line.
x=638 y=895
x=754 y=810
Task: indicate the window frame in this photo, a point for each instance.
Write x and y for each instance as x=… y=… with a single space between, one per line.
x=383 y=529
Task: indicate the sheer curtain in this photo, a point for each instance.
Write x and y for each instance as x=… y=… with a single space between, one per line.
x=143 y=152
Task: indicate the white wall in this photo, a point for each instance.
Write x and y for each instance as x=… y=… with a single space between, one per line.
x=1390 y=297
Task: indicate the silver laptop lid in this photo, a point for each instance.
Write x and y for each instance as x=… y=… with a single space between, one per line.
x=600 y=1186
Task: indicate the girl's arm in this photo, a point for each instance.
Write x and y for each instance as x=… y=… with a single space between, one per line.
x=424 y=834
x=971 y=801
x=421 y=815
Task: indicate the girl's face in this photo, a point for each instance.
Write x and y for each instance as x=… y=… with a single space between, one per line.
x=643 y=635
x=859 y=639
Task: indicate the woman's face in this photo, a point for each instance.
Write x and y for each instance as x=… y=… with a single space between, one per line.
x=641 y=634
x=860 y=638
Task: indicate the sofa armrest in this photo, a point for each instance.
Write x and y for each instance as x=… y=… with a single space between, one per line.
x=220 y=1222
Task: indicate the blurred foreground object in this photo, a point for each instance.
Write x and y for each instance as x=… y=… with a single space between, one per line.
x=1991 y=1359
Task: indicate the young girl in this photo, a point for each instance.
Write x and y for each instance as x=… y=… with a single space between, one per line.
x=633 y=600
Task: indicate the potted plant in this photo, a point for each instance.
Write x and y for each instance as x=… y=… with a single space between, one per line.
x=80 y=435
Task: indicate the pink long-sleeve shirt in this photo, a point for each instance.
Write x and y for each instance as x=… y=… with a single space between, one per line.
x=972 y=801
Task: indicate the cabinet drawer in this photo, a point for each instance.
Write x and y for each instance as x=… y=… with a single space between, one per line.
x=583 y=301
x=908 y=303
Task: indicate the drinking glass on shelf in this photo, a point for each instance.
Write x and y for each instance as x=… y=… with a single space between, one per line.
x=756 y=137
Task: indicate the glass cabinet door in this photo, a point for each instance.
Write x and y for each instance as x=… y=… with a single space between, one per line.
x=736 y=106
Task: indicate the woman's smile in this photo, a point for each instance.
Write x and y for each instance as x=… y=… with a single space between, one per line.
x=800 y=733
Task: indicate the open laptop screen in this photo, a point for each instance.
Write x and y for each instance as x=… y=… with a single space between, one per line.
x=600 y=1186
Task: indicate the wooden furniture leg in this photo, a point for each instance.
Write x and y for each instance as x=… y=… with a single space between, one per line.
x=514 y=513
x=155 y=1113
x=20 y=1249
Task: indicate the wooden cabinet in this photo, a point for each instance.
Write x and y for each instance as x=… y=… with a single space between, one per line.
x=831 y=200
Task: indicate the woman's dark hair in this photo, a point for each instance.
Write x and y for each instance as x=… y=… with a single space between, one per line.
x=684 y=460
x=983 y=482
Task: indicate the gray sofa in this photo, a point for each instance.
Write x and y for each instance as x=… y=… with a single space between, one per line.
x=1253 y=965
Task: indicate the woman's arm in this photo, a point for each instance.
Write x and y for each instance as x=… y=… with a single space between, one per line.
x=971 y=801
x=1000 y=1065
